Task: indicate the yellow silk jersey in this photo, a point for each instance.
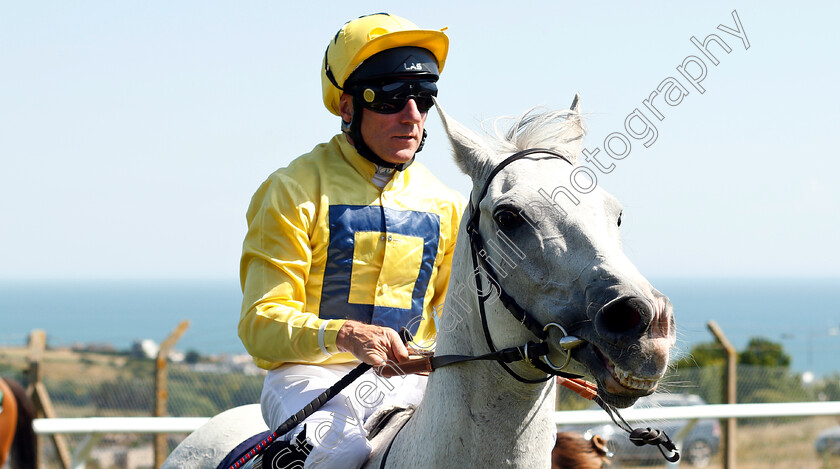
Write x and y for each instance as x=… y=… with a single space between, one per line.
x=326 y=244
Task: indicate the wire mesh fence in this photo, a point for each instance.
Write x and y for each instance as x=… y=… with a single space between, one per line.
x=786 y=442
x=95 y=384
x=82 y=384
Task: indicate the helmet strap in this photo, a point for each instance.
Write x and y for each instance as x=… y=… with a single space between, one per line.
x=422 y=142
x=354 y=130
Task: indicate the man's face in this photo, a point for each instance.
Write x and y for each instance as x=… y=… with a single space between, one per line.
x=393 y=137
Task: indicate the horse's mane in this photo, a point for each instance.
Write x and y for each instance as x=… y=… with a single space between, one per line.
x=558 y=130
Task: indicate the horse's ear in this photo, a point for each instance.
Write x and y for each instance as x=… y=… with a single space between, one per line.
x=575 y=131
x=576 y=103
x=470 y=152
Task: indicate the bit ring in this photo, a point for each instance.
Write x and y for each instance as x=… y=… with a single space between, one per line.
x=568 y=350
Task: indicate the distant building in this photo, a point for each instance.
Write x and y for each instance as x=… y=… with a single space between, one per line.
x=93 y=347
x=146 y=348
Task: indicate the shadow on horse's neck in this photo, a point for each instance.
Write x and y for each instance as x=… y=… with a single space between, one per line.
x=463 y=334
x=475 y=411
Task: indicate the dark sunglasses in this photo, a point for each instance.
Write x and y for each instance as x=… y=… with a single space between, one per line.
x=392 y=97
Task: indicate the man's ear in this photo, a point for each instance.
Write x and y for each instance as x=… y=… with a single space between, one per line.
x=345 y=107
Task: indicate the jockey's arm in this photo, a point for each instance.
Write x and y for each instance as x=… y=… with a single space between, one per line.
x=274 y=325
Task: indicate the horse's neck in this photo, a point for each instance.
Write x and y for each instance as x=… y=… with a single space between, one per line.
x=475 y=411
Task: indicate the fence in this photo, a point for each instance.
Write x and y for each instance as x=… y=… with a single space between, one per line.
x=780 y=411
x=94 y=384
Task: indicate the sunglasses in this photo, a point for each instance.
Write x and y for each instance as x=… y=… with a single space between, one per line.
x=392 y=97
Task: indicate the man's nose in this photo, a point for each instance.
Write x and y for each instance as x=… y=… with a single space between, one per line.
x=410 y=113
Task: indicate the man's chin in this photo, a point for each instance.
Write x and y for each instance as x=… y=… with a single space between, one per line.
x=400 y=157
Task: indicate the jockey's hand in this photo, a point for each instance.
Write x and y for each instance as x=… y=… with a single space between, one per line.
x=374 y=345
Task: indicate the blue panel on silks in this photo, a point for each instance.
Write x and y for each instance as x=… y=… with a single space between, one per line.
x=379 y=263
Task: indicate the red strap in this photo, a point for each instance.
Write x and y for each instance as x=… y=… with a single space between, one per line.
x=582 y=387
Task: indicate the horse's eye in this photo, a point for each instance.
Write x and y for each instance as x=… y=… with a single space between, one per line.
x=619 y=218
x=507 y=218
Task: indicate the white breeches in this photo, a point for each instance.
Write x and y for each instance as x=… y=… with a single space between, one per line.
x=335 y=430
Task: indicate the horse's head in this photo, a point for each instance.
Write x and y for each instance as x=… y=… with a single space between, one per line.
x=552 y=236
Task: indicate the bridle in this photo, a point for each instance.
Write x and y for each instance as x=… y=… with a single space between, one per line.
x=539 y=357
x=534 y=353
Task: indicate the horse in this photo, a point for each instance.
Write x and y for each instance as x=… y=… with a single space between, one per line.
x=535 y=257
x=574 y=451
x=17 y=437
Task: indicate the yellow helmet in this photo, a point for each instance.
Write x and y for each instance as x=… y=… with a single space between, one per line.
x=363 y=37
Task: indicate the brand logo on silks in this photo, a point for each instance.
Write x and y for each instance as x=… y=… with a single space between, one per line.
x=413 y=67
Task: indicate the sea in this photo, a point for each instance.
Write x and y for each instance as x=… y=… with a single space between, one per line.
x=803 y=315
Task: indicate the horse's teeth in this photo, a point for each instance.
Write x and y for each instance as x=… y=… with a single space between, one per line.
x=629 y=381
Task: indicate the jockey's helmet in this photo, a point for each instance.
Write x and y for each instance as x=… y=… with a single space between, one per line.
x=395 y=46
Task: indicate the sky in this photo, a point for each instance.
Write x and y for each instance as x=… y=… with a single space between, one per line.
x=133 y=134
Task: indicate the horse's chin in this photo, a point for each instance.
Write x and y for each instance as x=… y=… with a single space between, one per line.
x=616 y=386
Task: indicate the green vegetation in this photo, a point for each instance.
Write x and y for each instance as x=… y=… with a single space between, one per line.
x=204 y=394
x=85 y=383
x=764 y=376
x=190 y=393
x=90 y=383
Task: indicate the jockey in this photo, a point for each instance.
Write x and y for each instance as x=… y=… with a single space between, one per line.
x=352 y=242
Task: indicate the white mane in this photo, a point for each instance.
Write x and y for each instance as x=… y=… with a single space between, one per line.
x=558 y=130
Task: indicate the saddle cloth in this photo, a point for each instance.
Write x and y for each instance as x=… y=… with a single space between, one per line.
x=292 y=454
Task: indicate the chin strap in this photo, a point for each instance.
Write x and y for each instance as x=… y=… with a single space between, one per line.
x=354 y=130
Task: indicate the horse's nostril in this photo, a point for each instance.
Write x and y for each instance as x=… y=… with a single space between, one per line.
x=624 y=315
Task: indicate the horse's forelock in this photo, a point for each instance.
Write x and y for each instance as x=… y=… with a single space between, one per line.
x=558 y=130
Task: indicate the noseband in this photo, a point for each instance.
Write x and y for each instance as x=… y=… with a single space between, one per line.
x=479 y=258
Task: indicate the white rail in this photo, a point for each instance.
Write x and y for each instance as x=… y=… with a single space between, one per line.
x=711 y=411
x=87 y=425
x=107 y=425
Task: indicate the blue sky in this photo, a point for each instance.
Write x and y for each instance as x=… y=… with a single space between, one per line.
x=133 y=134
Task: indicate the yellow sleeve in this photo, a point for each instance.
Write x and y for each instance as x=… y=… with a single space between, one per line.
x=274 y=324
x=445 y=268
